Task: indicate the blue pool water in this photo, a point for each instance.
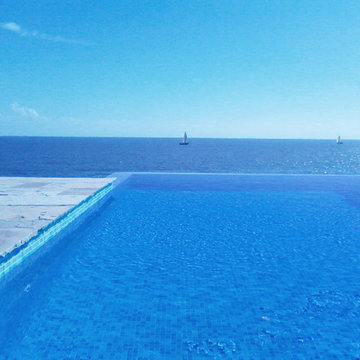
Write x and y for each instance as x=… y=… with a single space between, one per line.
x=198 y=267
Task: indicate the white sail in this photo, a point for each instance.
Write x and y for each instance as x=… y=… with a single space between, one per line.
x=184 y=140
x=338 y=140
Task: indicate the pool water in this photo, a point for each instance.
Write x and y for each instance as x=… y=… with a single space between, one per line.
x=198 y=271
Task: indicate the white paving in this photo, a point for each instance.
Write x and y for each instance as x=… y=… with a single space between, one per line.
x=29 y=204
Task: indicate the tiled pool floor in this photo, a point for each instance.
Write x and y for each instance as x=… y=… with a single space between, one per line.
x=188 y=274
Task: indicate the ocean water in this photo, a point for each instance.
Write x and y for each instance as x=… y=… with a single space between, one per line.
x=36 y=156
x=195 y=268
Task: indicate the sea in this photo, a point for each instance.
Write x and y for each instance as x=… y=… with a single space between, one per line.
x=99 y=157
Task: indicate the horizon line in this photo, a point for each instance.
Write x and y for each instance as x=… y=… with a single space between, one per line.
x=169 y=137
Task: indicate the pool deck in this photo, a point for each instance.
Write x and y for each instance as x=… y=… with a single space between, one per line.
x=28 y=204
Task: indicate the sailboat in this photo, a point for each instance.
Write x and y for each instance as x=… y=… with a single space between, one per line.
x=184 y=140
x=338 y=140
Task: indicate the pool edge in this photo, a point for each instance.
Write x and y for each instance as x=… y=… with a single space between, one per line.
x=56 y=229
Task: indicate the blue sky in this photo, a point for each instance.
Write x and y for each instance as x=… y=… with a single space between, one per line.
x=260 y=69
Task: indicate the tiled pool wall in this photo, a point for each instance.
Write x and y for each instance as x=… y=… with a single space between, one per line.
x=19 y=259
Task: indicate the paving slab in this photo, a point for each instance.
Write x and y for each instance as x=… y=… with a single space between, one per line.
x=29 y=204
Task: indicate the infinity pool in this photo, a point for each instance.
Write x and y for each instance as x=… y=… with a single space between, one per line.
x=198 y=267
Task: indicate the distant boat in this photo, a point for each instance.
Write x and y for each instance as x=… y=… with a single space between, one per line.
x=184 y=140
x=338 y=140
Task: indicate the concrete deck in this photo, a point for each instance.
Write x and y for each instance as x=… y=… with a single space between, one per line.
x=29 y=204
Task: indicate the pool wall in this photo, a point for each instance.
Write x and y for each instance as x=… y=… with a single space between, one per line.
x=48 y=236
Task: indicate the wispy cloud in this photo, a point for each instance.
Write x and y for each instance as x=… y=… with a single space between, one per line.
x=24 y=111
x=11 y=26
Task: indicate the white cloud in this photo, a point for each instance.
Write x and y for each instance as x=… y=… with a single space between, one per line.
x=11 y=26
x=24 y=111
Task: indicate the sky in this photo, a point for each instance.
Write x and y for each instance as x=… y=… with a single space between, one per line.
x=155 y=68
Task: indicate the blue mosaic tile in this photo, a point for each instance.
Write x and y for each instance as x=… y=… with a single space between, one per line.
x=245 y=274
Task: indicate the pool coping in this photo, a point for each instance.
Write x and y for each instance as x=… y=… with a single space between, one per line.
x=56 y=229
